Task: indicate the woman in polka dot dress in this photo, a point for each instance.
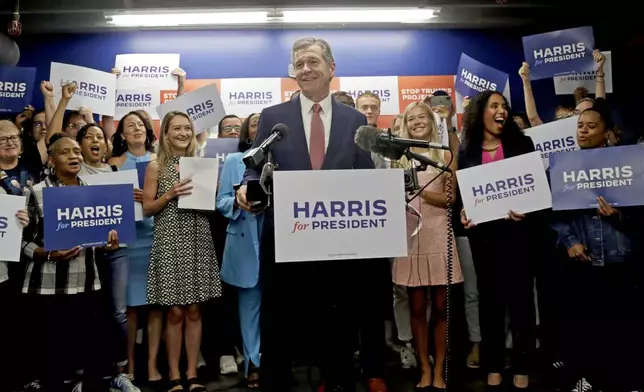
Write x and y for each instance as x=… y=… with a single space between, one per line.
x=183 y=268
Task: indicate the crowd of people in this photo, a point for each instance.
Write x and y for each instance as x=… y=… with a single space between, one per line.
x=206 y=286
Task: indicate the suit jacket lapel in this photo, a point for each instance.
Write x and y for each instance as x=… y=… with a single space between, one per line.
x=337 y=134
x=298 y=135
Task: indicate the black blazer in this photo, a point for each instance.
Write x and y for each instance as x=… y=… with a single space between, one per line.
x=528 y=236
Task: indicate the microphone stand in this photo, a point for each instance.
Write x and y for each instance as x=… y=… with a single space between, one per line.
x=266 y=179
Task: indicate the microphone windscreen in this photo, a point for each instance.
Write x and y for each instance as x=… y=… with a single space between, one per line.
x=367 y=138
x=374 y=140
x=281 y=129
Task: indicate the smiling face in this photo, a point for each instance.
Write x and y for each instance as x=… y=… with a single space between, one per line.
x=10 y=141
x=312 y=72
x=419 y=121
x=496 y=113
x=179 y=134
x=93 y=146
x=252 y=126
x=134 y=132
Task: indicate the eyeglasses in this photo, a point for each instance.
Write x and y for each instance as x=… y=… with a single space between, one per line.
x=5 y=139
x=75 y=126
x=231 y=128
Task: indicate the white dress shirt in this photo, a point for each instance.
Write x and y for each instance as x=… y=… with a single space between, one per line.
x=325 y=115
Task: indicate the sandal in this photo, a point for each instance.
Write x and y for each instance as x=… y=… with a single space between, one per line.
x=198 y=387
x=174 y=384
x=253 y=378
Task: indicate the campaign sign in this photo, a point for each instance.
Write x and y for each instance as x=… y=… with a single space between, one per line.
x=339 y=215
x=385 y=87
x=565 y=85
x=10 y=228
x=16 y=86
x=490 y=191
x=474 y=77
x=203 y=106
x=560 y=52
x=94 y=89
x=143 y=71
x=554 y=137
x=141 y=168
x=132 y=100
x=578 y=178
x=84 y=215
x=220 y=148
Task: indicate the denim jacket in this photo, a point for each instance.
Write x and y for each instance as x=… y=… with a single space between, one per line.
x=607 y=239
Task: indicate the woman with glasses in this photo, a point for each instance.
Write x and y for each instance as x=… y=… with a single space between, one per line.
x=240 y=266
x=15 y=177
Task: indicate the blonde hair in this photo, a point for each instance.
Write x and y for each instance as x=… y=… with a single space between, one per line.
x=368 y=94
x=434 y=154
x=393 y=123
x=163 y=148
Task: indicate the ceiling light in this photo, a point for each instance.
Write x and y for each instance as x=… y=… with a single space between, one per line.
x=357 y=15
x=187 y=19
x=274 y=16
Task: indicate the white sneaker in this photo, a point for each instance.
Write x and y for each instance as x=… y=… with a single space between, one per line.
x=122 y=383
x=582 y=386
x=201 y=362
x=408 y=356
x=239 y=358
x=227 y=365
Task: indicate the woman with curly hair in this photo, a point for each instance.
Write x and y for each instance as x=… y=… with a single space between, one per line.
x=503 y=250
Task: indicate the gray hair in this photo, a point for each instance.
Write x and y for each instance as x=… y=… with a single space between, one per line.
x=304 y=43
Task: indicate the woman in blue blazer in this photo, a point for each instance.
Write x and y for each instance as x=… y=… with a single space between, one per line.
x=240 y=266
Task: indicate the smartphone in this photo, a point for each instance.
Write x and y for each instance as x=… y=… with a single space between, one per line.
x=441 y=100
x=255 y=194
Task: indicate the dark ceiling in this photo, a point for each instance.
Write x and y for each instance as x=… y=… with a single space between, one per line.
x=48 y=16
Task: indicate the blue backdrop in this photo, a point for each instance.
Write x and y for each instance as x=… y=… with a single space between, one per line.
x=265 y=53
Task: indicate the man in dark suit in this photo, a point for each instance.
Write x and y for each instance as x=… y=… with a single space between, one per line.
x=331 y=298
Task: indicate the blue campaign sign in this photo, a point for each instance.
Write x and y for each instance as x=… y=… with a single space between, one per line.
x=141 y=168
x=560 y=53
x=16 y=87
x=220 y=148
x=474 y=77
x=578 y=178
x=84 y=215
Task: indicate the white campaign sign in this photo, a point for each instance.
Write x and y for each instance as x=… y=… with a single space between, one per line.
x=385 y=87
x=140 y=71
x=246 y=96
x=10 y=228
x=204 y=173
x=553 y=137
x=490 y=191
x=94 y=89
x=204 y=107
x=141 y=99
x=565 y=85
x=118 y=178
x=339 y=215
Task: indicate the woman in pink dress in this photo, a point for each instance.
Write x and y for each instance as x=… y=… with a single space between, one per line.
x=427 y=228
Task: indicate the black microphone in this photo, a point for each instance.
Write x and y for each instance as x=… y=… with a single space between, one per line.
x=255 y=156
x=384 y=144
